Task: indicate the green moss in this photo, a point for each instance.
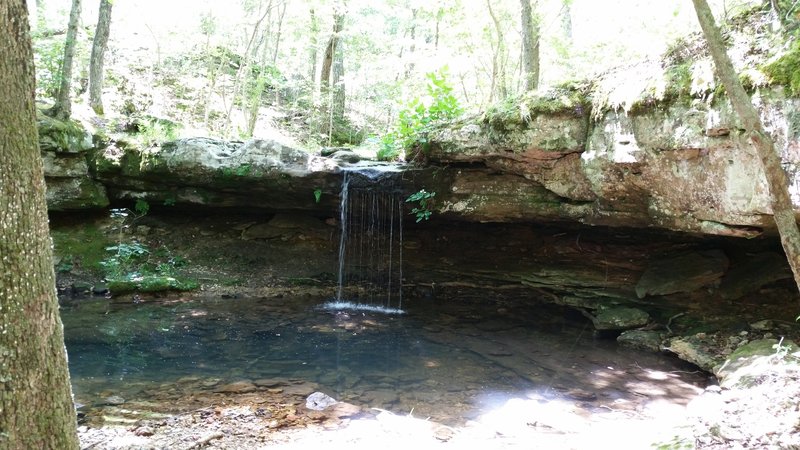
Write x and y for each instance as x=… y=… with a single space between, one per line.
x=786 y=69
x=61 y=135
x=567 y=99
x=84 y=247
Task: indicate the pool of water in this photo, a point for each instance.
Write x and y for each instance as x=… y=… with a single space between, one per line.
x=450 y=361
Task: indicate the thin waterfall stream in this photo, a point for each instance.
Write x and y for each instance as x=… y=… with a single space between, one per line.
x=370 y=273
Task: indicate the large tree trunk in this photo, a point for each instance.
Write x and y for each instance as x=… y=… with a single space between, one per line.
x=782 y=208
x=36 y=409
x=63 y=106
x=98 y=51
x=530 y=47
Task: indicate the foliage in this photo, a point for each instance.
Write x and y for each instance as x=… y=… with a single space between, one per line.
x=423 y=199
x=419 y=115
x=154 y=131
x=130 y=265
x=48 y=56
x=141 y=207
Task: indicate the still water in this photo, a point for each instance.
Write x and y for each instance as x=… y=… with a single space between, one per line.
x=450 y=361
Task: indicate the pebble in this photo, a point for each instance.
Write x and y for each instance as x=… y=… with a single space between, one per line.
x=143 y=431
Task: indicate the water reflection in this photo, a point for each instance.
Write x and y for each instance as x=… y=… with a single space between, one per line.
x=451 y=361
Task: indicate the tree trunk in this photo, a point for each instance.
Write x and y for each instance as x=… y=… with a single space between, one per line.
x=96 y=61
x=278 y=35
x=413 y=44
x=330 y=50
x=530 y=47
x=498 y=60
x=63 y=106
x=331 y=82
x=566 y=20
x=313 y=45
x=782 y=208
x=36 y=409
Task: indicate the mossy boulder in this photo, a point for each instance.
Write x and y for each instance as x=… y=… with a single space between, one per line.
x=752 y=361
x=62 y=136
x=619 y=318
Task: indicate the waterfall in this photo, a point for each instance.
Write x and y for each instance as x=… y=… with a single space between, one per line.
x=370 y=244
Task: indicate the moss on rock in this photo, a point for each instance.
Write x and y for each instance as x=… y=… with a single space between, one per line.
x=62 y=136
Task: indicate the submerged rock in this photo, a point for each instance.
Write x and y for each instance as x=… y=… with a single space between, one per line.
x=237 y=387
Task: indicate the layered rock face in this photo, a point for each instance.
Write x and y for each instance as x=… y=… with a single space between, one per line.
x=64 y=148
x=541 y=179
x=680 y=167
x=204 y=172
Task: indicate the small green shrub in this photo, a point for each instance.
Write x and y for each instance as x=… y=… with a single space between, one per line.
x=417 y=117
x=423 y=198
x=132 y=266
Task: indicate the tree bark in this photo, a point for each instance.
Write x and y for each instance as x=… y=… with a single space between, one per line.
x=782 y=208
x=63 y=106
x=530 y=47
x=98 y=52
x=313 y=45
x=331 y=77
x=330 y=50
x=36 y=409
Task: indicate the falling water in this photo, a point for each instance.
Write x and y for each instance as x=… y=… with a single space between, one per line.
x=370 y=245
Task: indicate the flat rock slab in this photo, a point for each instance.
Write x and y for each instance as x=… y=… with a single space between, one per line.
x=682 y=273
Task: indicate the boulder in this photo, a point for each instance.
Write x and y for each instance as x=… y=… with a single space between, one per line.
x=62 y=136
x=319 y=401
x=642 y=339
x=699 y=350
x=619 y=318
x=750 y=362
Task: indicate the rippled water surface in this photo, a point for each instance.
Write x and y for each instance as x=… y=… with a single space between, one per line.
x=449 y=361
